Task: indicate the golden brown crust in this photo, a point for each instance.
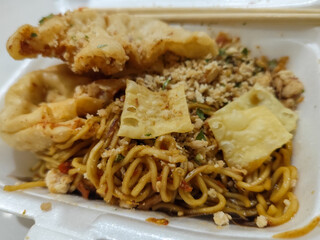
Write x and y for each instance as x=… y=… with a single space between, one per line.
x=90 y=40
x=48 y=106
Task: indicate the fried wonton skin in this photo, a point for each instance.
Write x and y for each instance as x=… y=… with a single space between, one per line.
x=92 y=40
x=49 y=106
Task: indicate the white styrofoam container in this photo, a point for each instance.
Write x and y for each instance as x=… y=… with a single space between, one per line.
x=72 y=217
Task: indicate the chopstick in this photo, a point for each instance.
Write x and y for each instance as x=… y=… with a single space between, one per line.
x=218 y=15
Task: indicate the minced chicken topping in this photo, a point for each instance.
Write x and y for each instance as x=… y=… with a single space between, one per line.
x=220 y=218
x=261 y=221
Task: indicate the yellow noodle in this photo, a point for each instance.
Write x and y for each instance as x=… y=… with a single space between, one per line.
x=128 y=176
x=135 y=177
x=281 y=190
x=177 y=175
x=286 y=216
x=154 y=172
x=141 y=184
x=243 y=213
x=10 y=188
x=189 y=199
x=242 y=198
x=93 y=162
x=80 y=134
x=208 y=210
x=272 y=210
x=166 y=195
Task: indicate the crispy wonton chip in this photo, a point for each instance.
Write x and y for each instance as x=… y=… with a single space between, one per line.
x=93 y=40
x=247 y=137
x=48 y=106
x=148 y=114
x=260 y=96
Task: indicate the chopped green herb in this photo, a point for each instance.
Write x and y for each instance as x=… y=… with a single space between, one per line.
x=198 y=158
x=46 y=18
x=222 y=52
x=224 y=103
x=257 y=70
x=245 y=51
x=201 y=136
x=166 y=82
x=102 y=45
x=207 y=60
x=273 y=63
x=148 y=134
x=86 y=37
x=237 y=84
x=200 y=114
x=229 y=59
x=74 y=38
x=33 y=35
x=119 y=158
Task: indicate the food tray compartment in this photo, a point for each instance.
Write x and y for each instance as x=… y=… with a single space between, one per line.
x=72 y=217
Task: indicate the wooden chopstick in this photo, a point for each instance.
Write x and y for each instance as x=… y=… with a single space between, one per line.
x=223 y=15
x=209 y=10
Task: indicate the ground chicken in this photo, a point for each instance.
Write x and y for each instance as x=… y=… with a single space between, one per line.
x=197 y=144
x=220 y=218
x=58 y=182
x=261 y=221
x=264 y=79
x=287 y=85
x=292 y=89
x=212 y=193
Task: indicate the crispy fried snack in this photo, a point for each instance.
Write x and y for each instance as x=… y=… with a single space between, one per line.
x=49 y=106
x=93 y=40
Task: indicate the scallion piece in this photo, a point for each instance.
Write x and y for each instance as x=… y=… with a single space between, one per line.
x=201 y=136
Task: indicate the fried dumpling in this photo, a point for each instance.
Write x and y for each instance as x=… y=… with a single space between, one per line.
x=94 y=40
x=49 y=106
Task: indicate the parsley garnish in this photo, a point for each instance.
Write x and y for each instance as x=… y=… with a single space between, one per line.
x=198 y=158
x=148 y=134
x=229 y=59
x=201 y=136
x=257 y=70
x=200 y=114
x=86 y=37
x=273 y=63
x=33 y=35
x=102 y=45
x=222 y=52
x=207 y=60
x=245 y=51
x=237 y=84
x=46 y=18
x=166 y=82
x=119 y=158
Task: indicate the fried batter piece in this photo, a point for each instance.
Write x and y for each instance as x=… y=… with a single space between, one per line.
x=94 y=40
x=49 y=106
